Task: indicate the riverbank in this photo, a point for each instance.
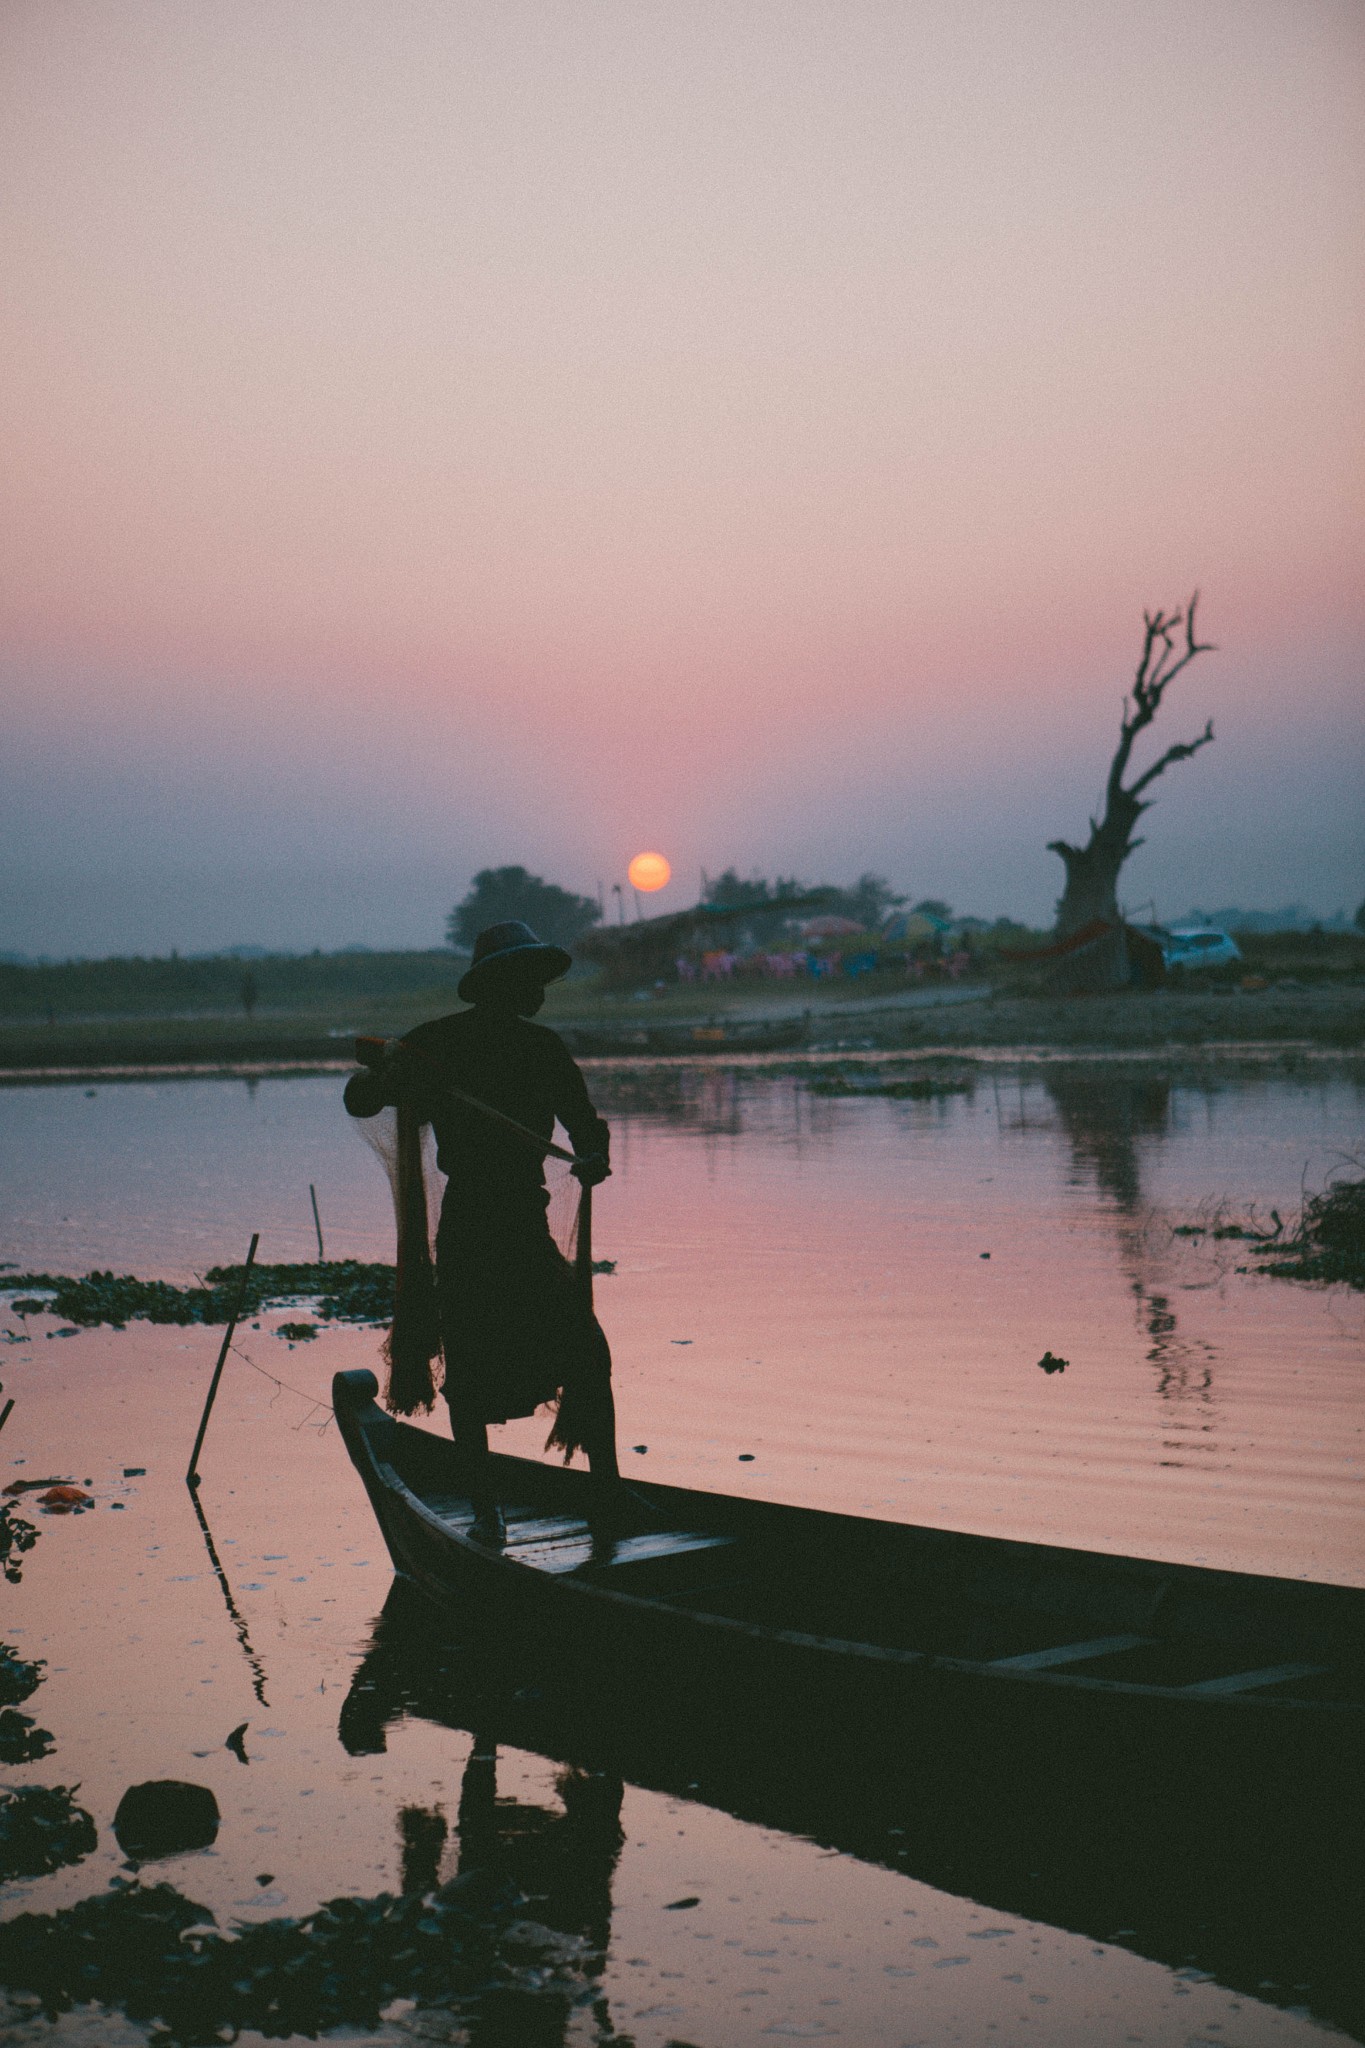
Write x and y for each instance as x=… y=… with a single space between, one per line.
x=963 y=1017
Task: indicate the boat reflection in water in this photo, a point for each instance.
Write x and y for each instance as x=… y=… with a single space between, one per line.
x=562 y=1863
x=1268 y=1903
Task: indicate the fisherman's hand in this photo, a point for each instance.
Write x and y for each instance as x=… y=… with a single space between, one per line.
x=592 y=1170
x=384 y=1077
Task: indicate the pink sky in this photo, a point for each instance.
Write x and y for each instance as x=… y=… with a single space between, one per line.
x=457 y=434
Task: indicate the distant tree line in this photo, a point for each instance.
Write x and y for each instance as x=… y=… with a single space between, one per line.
x=216 y=986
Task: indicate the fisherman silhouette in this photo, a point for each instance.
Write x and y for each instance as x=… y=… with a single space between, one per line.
x=516 y=1326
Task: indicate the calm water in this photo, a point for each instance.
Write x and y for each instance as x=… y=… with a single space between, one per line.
x=800 y=1282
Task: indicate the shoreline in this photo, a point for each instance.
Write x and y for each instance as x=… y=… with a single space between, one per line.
x=1211 y=1055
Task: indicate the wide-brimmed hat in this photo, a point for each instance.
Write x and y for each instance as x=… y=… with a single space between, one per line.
x=510 y=948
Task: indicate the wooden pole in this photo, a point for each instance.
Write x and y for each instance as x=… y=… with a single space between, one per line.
x=583 y=1260
x=192 y=1475
x=317 y=1220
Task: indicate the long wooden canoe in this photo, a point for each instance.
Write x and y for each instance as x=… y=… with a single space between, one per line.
x=793 y=1619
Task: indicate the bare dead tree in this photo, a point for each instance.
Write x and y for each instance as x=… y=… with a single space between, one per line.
x=1092 y=870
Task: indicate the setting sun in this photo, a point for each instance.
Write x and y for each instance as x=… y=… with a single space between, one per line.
x=649 y=871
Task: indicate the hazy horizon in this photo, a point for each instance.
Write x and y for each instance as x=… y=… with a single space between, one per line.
x=517 y=432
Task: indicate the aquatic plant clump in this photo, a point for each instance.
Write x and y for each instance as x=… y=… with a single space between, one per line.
x=923 y=1086
x=42 y=1829
x=340 y=1290
x=18 y=1676
x=154 y=1954
x=16 y=1536
x=1329 y=1242
x=22 y=1741
x=1326 y=1244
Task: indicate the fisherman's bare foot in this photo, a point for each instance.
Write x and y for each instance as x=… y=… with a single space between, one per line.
x=611 y=1508
x=488 y=1527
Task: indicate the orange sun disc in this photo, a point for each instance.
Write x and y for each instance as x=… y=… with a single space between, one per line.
x=649 y=871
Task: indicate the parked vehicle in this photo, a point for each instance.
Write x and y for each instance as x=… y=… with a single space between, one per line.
x=1198 y=946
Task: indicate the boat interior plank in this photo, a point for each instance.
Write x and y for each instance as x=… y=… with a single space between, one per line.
x=1253 y=1681
x=1069 y=1653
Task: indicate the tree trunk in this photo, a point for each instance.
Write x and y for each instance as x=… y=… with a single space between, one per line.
x=1092 y=871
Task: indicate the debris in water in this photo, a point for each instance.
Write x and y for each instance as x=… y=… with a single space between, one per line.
x=64 y=1500
x=298 y=1333
x=641 y=1448
x=135 y=1471
x=681 y=1905
x=1049 y=1362
x=746 y=1457
x=34 y=1485
x=236 y=1742
x=680 y=1340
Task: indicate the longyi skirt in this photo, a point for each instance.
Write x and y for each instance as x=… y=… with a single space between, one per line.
x=514 y=1321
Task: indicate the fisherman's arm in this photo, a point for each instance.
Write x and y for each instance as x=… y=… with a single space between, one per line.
x=589 y=1133
x=386 y=1077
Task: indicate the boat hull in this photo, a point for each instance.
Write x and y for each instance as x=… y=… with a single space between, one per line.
x=665 y=1651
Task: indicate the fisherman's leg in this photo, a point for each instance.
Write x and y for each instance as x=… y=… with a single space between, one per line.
x=470 y=1435
x=468 y=1426
x=599 y=1414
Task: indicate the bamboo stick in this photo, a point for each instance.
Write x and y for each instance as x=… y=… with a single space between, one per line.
x=192 y=1474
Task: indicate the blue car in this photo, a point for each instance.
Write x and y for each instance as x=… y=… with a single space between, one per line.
x=1198 y=946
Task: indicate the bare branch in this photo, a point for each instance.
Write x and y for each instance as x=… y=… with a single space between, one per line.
x=1179 y=753
x=1157 y=668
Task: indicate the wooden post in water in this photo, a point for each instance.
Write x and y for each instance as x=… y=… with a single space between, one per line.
x=192 y=1475
x=317 y=1220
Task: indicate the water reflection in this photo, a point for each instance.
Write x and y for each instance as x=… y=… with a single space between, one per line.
x=1107 y=1115
x=1166 y=1860
x=235 y=1614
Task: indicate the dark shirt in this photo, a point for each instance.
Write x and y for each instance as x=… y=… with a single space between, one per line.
x=513 y=1065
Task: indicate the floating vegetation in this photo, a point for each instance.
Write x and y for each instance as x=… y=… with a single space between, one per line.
x=925 y=1085
x=16 y=1536
x=41 y=1829
x=22 y=1741
x=18 y=1677
x=339 y=1290
x=1049 y=1362
x=297 y=1333
x=468 y=1948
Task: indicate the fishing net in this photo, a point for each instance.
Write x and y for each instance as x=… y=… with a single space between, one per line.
x=411 y=1350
